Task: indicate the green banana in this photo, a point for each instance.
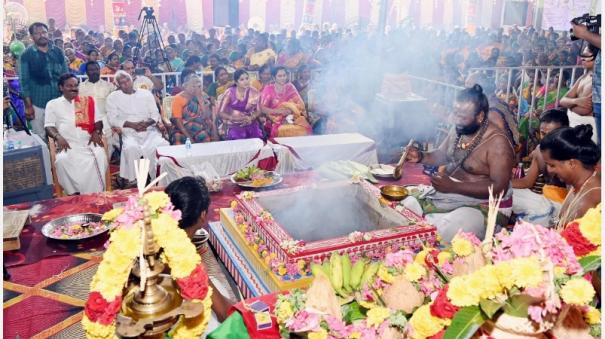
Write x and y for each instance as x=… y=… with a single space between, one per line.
x=326 y=268
x=369 y=273
x=336 y=271
x=356 y=273
x=317 y=270
x=346 y=273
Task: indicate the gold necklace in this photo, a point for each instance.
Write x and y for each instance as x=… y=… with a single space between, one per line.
x=573 y=201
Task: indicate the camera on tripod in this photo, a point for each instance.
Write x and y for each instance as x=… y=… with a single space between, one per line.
x=148 y=13
x=592 y=23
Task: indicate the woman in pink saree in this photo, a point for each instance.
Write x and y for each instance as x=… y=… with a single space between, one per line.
x=284 y=107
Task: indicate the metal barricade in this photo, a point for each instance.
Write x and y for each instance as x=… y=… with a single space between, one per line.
x=519 y=79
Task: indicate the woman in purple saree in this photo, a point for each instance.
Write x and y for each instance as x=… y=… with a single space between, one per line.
x=239 y=109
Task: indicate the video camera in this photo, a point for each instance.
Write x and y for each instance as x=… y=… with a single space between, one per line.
x=592 y=23
x=148 y=13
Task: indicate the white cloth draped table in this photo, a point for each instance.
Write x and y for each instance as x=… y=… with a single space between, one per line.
x=226 y=157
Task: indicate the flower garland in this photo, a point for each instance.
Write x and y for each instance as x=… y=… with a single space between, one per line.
x=584 y=234
x=288 y=271
x=105 y=298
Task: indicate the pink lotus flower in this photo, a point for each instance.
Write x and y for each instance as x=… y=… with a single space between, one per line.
x=304 y=321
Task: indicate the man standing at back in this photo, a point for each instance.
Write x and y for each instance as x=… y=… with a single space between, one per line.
x=99 y=89
x=41 y=65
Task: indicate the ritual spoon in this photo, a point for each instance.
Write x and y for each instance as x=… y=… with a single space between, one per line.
x=397 y=173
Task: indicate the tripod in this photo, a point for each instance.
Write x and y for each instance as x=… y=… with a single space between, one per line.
x=153 y=37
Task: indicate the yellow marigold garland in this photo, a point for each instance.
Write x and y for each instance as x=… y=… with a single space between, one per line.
x=108 y=282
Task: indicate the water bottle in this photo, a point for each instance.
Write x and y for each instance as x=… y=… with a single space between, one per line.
x=188 y=146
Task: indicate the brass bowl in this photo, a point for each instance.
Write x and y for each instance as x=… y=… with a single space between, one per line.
x=394 y=192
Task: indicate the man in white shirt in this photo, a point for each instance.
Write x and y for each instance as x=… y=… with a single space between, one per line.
x=99 y=89
x=71 y=121
x=135 y=112
x=139 y=81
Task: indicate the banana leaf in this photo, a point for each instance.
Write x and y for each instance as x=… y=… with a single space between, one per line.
x=465 y=323
x=590 y=263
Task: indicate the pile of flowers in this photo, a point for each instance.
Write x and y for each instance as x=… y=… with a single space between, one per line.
x=530 y=274
x=287 y=271
x=584 y=234
x=124 y=247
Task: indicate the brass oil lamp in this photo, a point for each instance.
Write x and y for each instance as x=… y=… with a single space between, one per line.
x=152 y=306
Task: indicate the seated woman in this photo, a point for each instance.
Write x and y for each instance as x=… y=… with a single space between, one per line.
x=239 y=109
x=571 y=155
x=190 y=195
x=528 y=203
x=221 y=84
x=112 y=66
x=284 y=107
x=293 y=56
x=264 y=78
x=191 y=113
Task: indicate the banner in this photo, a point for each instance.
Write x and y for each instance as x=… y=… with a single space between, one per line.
x=558 y=13
x=119 y=13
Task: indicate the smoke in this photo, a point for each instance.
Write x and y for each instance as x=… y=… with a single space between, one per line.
x=345 y=88
x=329 y=210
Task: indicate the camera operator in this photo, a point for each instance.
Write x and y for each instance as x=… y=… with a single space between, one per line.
x=582 y=32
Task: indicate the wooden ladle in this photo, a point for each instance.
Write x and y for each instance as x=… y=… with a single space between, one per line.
x=397 y=173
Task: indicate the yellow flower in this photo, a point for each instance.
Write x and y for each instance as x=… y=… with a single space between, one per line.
x=490 y=286
x=367 y=304
x=384 y=275
x=96 y=330
x=461 y=294
x=462 y=247
x=443 y=257
x=577 y=291
x=156 y=200
x=194 y=327
x=233 y=204
x=284 y=312
x=590 y=225
x=355 y=335
x=282 y=270
x=321 y=334
x=527 y=272
x=424 y=324
x=593 y=316
x=377 y=315
x=422 y=255
x=301 y=264
x=414 y=271
x=112 y=215
x=504 y=273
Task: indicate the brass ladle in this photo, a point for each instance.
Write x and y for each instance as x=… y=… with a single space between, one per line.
x=397 y=173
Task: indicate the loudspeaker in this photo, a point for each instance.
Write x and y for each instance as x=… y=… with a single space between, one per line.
x=226 y=12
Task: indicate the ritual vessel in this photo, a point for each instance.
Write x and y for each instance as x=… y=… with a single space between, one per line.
x=269 y=239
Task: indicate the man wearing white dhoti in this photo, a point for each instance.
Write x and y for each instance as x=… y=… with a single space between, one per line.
x=135 y=112
x=99 y=89
x=71 y=121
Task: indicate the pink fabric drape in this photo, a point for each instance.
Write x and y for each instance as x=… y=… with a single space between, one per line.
x=95 y=14
x=174 y=13
x=273 y=9
x=208 y=13
x=244 y=12
x=56 y=10
x=132 y=13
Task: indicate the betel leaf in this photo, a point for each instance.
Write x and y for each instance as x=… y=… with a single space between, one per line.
x=517 y=305
x=490 y=307
x=465 y=323
x=590 y=263
x=354 y=312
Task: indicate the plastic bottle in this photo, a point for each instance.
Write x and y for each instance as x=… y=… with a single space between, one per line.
x=188 y=146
